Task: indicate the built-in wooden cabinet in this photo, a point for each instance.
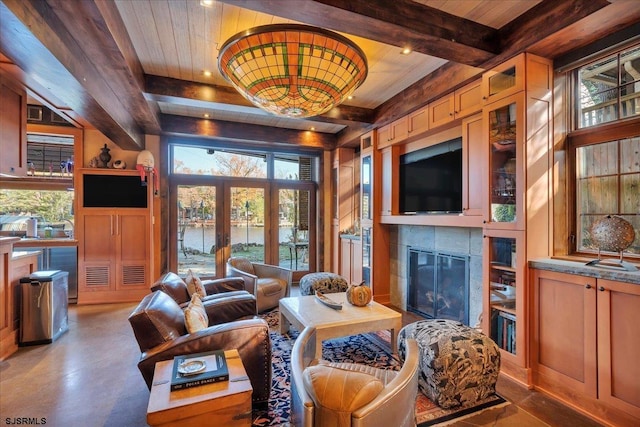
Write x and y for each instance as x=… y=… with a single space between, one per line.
x=374 y=244
x=474 y=160
x=504 y=80
x=115 y=244
x=517 y=215
x=389 y=177
x=344 y=193
x=114 y=255
x=13 y=128
x=504 y=299
x=351 y=259
x=504 y=123
x=418 y=121
x=13 y=267
x=463 y=102
x=584 y=343
x=393 y=133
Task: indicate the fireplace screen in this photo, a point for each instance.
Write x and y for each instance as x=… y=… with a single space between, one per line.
x=438 y=285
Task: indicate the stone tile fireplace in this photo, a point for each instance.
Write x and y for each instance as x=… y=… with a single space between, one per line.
x=438 y=284
x=454 y=243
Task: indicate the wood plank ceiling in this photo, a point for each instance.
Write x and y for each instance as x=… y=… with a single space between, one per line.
x=137 y=67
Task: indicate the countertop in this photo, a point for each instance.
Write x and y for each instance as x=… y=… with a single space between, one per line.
x=579 y=268
x=8 y=240
x=350 y=236
x=24 y=254
x=45 y=242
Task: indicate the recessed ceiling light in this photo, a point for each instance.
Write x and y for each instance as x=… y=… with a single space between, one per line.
x=206 y=115
x=206 y=3
x=350 y=97
x=312 y=128
x=206 y=73
x=406 y=51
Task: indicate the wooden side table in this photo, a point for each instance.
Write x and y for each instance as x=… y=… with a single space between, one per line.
x=226 y=403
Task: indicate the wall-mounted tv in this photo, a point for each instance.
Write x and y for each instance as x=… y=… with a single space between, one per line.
x=431 y=179
x=113 y=191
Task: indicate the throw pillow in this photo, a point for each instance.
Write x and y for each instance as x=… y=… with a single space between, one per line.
x=194 y=284
x=339 y=390
x=195 y=316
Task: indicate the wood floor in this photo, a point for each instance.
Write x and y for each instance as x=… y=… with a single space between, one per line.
x=89 y=378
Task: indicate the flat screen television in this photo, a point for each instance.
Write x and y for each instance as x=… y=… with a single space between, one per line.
x=431 y=179
x=113 y=191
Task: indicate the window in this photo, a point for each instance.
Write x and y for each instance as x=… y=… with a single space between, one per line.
x=609 y=89
x=605 y=150
x=217 y=161
x=50 y=155
x=50 y=207
x=607 y=183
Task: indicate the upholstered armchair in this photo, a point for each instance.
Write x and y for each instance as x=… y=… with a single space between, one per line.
x=227 y=292
x=347 y=394
x=158 y=324
x=268 y=283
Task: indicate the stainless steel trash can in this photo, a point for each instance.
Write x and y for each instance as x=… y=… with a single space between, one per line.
x=44 y=315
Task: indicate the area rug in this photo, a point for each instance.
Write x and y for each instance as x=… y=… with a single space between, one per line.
x=370 y=349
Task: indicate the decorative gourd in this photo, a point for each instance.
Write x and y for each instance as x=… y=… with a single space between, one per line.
x=359 y=295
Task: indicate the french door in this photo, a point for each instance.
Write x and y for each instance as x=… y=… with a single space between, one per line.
x=214 y=219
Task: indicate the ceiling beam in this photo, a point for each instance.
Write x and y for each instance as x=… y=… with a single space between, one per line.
x=81 y=53
x=255 y=134
x=196 y=94
x=402 y=23
x=541 y=21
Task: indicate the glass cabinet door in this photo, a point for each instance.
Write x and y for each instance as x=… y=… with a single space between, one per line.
x=504 y=80
x=505 y=291
x=366 y=202
x=366 y=255
x=505 y=122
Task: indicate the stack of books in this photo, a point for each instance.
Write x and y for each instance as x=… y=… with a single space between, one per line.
x=198 y=369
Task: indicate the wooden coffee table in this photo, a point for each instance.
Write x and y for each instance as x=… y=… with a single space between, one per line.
x=305 y=311
x=226 y=403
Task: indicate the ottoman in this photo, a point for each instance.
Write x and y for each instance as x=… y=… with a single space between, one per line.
x=458 y=365
x=324 y=282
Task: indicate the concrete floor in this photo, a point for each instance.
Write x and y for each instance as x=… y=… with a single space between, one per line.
x=89 y=377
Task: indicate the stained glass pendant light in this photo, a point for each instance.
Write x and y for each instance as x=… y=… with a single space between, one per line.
x=293 y=70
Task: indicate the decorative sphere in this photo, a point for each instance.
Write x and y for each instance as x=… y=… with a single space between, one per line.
x=612 y=233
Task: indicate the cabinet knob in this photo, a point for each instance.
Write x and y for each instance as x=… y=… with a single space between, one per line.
x=588 y=286
x=601 y=289
x=451 y=114
x=484 y=97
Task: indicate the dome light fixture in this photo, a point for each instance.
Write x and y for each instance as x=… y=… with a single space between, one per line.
x=293 y=70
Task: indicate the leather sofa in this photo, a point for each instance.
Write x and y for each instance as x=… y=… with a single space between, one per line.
x=226 y=298
x=158 y=324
